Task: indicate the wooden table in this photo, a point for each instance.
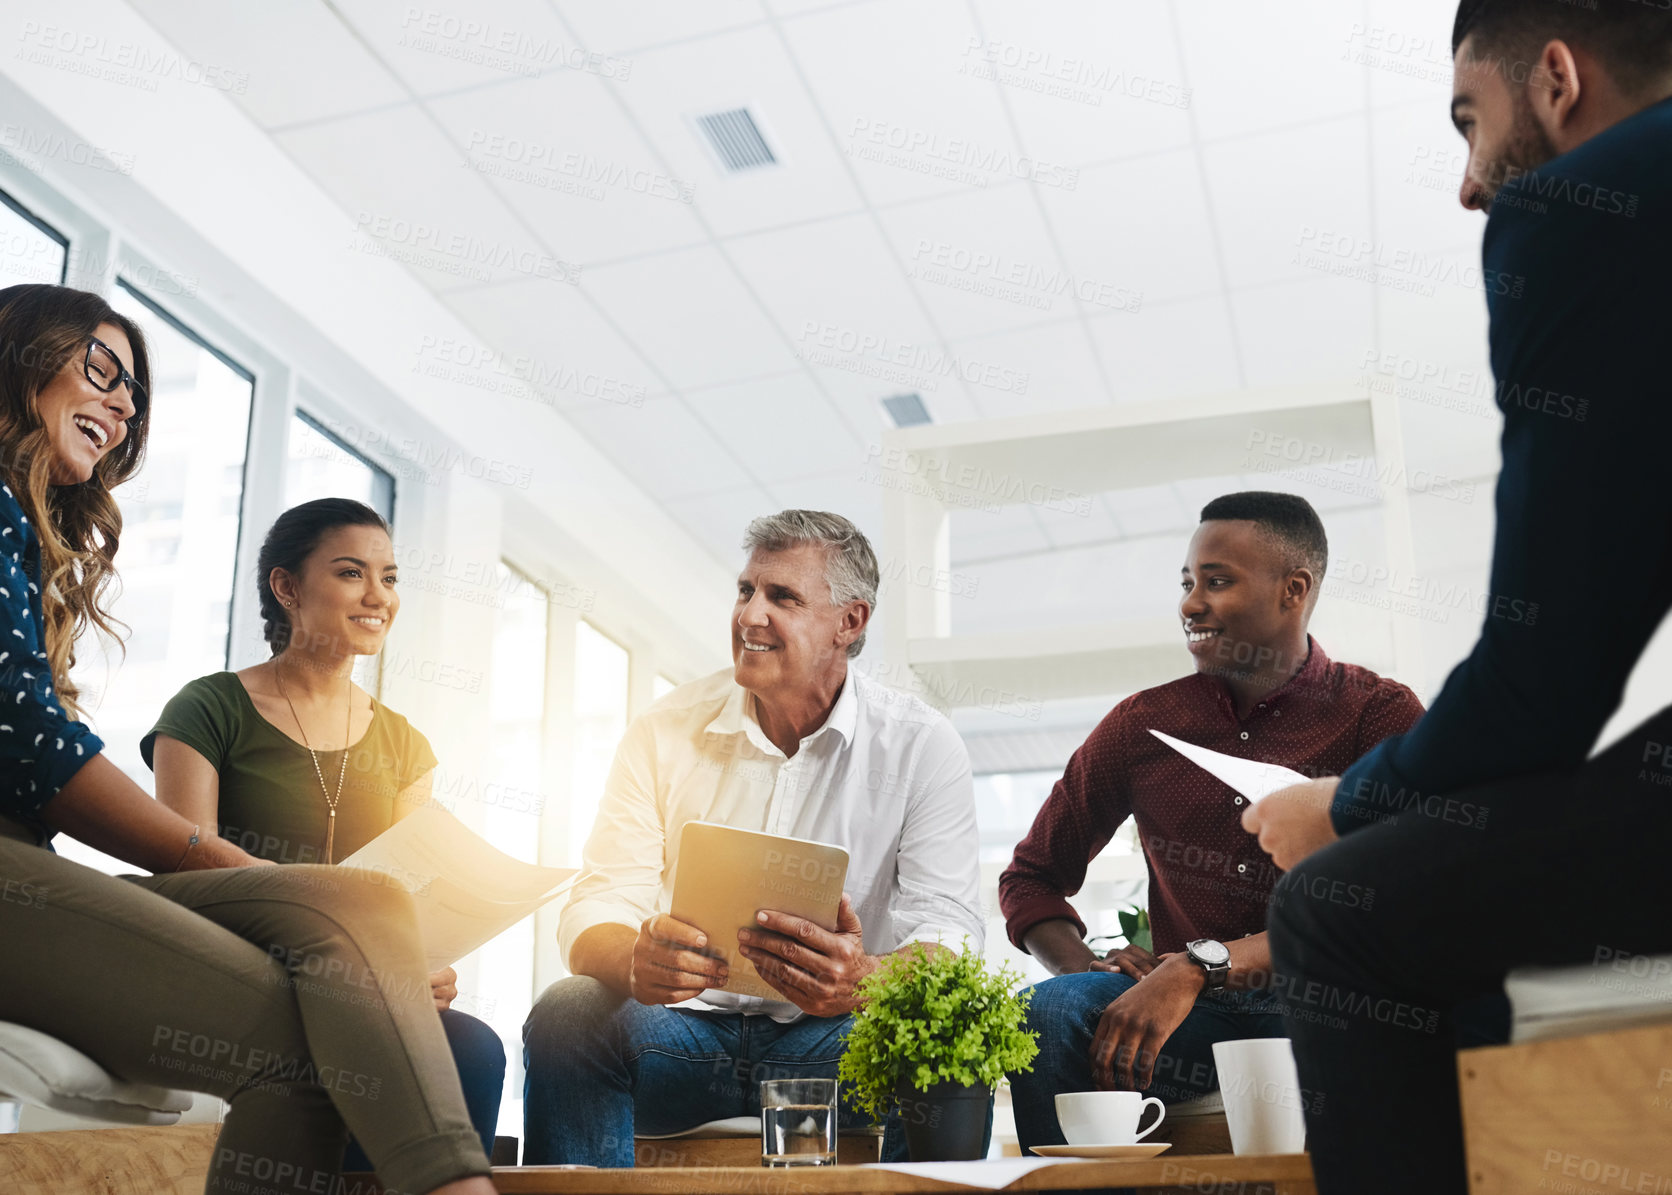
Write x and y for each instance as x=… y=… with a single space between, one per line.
x=1289 y=1174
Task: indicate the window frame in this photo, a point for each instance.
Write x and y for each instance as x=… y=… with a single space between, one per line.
x=40 y=224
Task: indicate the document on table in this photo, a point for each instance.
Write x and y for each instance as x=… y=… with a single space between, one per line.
x=993 y=1174
x=1249 y=777
x=467 y=890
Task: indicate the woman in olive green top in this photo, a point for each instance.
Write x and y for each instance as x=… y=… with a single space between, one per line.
x=297 y=764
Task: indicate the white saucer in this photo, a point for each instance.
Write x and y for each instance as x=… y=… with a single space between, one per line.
x=1142 y=1149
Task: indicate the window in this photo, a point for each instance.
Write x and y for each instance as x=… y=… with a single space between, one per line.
x=179 y=545
x=1005 y=806
x=322 y=466
x=600 y=721
x=511 y=803
x=30 y=249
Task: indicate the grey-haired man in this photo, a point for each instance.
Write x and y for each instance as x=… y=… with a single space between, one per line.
x=789 y=740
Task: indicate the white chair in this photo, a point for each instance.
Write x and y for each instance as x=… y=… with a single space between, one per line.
x=39 y=1070
x=1584 y=1084
x=1616 y=992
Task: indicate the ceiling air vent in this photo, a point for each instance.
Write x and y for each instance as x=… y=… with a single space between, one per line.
x=906 y=410
x=736 y=140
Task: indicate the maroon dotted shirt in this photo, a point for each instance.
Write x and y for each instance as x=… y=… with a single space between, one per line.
x=1208 y=877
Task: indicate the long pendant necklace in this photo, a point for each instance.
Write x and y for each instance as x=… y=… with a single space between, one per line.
x=348 y=728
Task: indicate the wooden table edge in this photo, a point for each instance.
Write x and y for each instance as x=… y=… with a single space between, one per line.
x=1185 y=1170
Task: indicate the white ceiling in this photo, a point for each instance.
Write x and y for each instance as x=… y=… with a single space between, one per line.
x=1273 y=127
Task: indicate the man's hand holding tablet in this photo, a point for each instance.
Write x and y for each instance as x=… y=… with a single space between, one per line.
x=813 y=968
x=668 y=964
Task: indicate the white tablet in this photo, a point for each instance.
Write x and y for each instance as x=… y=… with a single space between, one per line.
x=725 y=876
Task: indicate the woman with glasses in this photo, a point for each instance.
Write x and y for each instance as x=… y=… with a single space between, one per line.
x=293 y=760
x=190 y=977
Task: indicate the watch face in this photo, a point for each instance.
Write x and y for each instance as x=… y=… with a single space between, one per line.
x=1214 y=954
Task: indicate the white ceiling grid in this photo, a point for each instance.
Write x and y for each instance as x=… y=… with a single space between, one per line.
x=1187 y=166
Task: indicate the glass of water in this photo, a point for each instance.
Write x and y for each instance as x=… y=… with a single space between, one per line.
x=798 y=1122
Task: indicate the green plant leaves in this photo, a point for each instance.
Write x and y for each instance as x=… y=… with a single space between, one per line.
x=933 y=1017
x=1135 y=925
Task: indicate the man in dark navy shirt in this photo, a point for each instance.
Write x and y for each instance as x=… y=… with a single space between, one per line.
x=1490 y=839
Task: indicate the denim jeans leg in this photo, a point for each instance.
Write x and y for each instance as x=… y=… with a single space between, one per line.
x=1065 y=1012
x=600 y=1065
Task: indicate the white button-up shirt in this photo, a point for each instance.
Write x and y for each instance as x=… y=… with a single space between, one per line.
x=886 y=778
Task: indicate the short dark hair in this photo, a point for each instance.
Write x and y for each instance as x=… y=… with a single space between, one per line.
x=1631 y=38
x=1288 y=519
x=290 y=540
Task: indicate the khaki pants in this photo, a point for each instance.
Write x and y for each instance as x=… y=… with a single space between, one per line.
x=296 y=993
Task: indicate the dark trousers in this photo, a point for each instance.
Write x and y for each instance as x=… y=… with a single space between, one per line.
x=1382 y=940
x=480 y=1057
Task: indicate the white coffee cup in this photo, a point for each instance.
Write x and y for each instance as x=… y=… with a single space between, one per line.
x=1261 y=1090
x=1105 y=1117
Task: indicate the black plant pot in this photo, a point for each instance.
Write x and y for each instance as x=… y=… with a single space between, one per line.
x=947 y=1123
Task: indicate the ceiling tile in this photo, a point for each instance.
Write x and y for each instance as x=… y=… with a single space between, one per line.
x=832 y=284
x=1168 y=350
x=662 y=446
x=1138 y=227
x=983 y=262
x=560 y=151
x=1405 y=46
x=1004 y=531
x=841 y=492
x=551 y=340
x=748 y=69
x=718 y=521
x=1310 y=215
x=439 y=47
x=1293 y=333
x=782 y=427
x=1262 y=66
x=285 y=61
x=907 y=130
x=690 y=315
x=1085 y=80
x=610 y=27
x=1047 y=368
x=407 y=196
x=1151 y=510
x=1077 y=522
x=858 y=379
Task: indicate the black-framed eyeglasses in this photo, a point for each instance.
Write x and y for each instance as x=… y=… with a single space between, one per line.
x=106 y=371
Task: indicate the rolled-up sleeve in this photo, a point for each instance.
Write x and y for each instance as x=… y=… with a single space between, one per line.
x=621 y=867
x=938 y=886
x=1086 y=806
x=40 y=747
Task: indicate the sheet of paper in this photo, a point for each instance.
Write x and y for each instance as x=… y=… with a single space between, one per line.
x=467 y=890
x=1249 y=777
x=992 y=1174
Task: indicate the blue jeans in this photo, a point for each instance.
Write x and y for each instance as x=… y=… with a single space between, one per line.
x=601 y=1066
x=1065 y=1012
x=480 y=1057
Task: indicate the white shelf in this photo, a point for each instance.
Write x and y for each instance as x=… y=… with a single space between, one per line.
x=1068 y=456
x=1016 y=668
x=1124 y=447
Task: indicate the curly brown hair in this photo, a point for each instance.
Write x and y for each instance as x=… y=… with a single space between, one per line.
x=43 y=329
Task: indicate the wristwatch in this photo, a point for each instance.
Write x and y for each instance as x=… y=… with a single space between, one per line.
x=1212 y=957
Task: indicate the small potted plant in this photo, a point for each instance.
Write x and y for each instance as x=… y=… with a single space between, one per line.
x=932 y=1036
